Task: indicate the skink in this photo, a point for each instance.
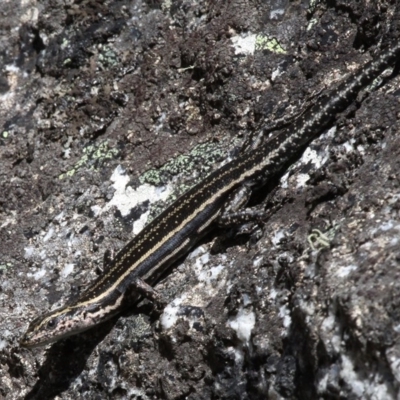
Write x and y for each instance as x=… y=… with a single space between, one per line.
x=147 y=256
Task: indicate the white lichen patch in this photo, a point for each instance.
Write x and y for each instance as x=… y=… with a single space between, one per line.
x=237 y=353
x=276 y=13
x=393 y=357
x=28 y=252
x=3 y=344
x=258 y=261
x=371 y=388
x=244 y=44
x=49 y=234
x=211 y=275
x=210 y=280
x=171 y=312
x=140 y=223
x=38 y=274
x=343 y=272
x=68 y=269
x=126 y=198
x=311 y=156
x=278 y=237
x=331 y=333
x=284 y=314
x=243 y=324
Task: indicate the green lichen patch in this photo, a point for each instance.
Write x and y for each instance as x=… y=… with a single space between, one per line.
x=93 y=157
x=5 y=266
x=107 y=57
x=201 y=159
x=269 y=43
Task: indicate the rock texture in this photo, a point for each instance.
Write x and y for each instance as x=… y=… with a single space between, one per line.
x=110 y=109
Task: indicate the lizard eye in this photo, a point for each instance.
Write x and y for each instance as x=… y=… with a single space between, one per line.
x=51 y=323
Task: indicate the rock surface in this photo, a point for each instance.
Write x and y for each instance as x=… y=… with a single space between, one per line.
x=110 y=109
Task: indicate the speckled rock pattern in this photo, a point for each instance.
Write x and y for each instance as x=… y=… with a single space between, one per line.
x=110 y=109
